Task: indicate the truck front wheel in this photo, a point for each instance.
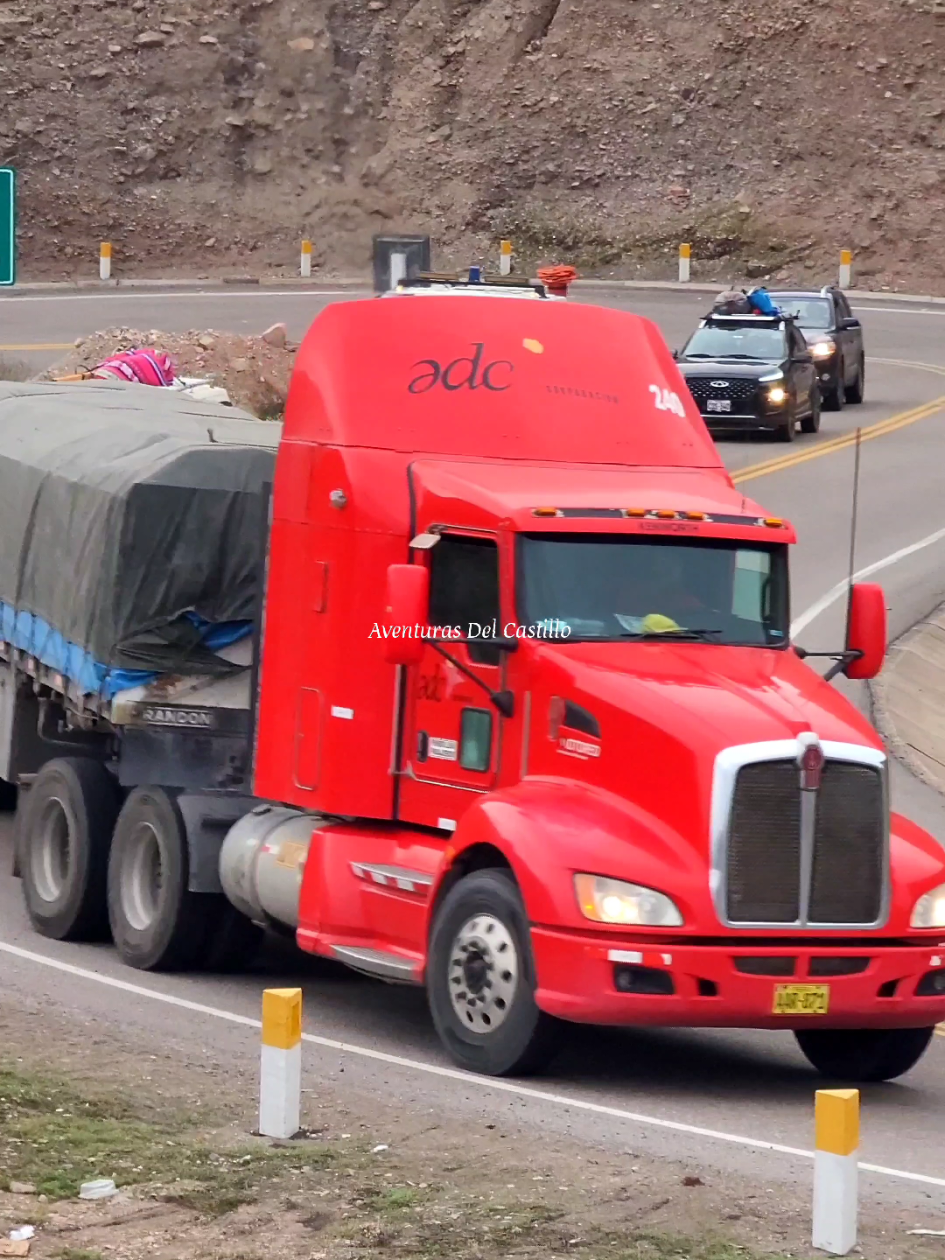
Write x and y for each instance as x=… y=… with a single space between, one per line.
x=63 y=840
x=864 y=1054
x=158 y=924
x=481 y=979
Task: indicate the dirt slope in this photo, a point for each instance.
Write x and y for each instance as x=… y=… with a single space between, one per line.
x=202 y=136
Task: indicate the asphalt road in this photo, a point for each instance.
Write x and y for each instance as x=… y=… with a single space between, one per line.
x=743 y=1084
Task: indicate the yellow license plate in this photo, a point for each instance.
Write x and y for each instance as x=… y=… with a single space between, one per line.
x=801 y=999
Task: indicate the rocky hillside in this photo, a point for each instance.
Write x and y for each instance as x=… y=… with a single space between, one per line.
x=211 y=135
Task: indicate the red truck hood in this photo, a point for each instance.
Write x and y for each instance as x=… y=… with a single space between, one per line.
x=665 y=711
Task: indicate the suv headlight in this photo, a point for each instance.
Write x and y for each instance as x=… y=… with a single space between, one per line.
x=631 y=905
x=823 y=347
x=929 y=911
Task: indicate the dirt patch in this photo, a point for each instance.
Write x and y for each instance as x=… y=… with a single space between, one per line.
x=255 y=371
x=174 y=1134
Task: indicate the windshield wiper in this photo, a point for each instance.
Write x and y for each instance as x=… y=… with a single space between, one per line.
x=704 y=636
x=755 y=358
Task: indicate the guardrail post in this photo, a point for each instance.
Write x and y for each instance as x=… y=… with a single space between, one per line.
x=846 y=268
x=837 y=1120
x=105 y=260
x=685 y=258
x=280 y=1075
x=306 y=264
x=505 y=258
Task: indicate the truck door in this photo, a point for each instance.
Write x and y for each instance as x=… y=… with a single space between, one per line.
x=450 y=732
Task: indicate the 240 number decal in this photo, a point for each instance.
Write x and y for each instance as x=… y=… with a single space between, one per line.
x=666 y=400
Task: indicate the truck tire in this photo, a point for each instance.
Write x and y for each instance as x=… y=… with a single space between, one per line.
x=480 y=942
x=811 y=423
x=864 y=1055
x=857 y=391
x=835 y=398
x=63 y=840
x=158 y=924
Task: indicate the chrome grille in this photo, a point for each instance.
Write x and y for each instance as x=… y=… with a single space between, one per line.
x=738 y=389
x=774 y=836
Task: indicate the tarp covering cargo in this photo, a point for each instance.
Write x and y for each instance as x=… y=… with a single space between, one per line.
x=131 y=528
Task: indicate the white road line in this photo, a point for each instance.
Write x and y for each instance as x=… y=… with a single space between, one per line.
x=841 y=588
x=899 y=310
x=139 y=295
x=454 y=1074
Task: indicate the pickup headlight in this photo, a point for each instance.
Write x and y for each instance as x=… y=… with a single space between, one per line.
x=929 y=911
x=823 y=348
x=631 y=905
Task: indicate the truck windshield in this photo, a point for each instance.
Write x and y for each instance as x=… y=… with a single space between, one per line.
x=739 y=342
x=609 y=587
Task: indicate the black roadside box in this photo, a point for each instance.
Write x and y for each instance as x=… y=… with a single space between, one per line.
x=399 y=258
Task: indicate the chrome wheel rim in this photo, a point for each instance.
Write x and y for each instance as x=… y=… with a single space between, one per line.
x=142 y=877
x=483 y=974
x=52 y=850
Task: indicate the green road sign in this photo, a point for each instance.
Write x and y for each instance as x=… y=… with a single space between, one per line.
x=7 y=225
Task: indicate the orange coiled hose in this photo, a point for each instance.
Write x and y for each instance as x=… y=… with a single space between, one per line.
x=557 y=279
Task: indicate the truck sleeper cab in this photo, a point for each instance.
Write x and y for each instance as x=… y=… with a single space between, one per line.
x=528 y=729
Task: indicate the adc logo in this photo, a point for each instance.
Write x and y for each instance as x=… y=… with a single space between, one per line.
x=466 y=372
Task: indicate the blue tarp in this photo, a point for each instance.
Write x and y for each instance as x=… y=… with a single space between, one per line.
x=38 y=638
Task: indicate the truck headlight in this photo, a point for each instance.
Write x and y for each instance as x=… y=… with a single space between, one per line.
x=929 y=911
x=614 y=901
x=823 y=348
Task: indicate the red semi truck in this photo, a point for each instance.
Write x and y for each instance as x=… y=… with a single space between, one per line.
x=525 y=725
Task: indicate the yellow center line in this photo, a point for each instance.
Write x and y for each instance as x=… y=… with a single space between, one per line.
x=880 y=429
x=41 y=345
x=940 y=1030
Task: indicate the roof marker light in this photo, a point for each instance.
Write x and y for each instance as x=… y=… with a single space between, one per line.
x=774 y=522
x=546 y=511
x=665 y=514
x=634 y=511
x=694 y=516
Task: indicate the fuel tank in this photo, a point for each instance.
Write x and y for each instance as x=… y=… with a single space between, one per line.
x=262 y=861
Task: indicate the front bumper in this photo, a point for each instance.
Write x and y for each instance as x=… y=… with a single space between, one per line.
x=577 y=981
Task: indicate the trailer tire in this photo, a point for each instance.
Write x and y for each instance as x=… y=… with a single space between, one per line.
x=864 y=1055
x=158 y=924
x=63 y=840
x=481 y=934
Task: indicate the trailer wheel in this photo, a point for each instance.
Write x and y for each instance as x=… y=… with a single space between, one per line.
x=157 y=923
x=481 y=979
x=63 y=839
x=864 y=1055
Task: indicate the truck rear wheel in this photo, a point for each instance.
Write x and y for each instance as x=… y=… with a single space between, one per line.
x=864 y=1055
x=158 y=924
x=63 y=842
x=481 y=979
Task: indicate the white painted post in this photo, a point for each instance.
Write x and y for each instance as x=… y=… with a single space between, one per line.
x=846 y=268
x=685 y=256
x=505 y=258
x=398 y=269
x=837 y=1115
x=105 y=260
x=280 y=1076
x=306 y=264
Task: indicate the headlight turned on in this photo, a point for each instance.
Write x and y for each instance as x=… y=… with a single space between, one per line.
x=823 y=349
x=929 y=911
x=629 y=905
x=777 y=394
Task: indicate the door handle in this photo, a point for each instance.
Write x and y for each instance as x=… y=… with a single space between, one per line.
x=423 y=745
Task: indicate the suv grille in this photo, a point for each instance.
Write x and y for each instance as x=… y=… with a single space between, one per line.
x=738 y=389
x=767 y=844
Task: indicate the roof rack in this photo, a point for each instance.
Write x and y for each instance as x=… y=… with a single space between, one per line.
x=753 y=318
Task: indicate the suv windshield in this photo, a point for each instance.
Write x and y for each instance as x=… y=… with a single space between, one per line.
x=809 y=312
x=740 y=342
x=612 y=587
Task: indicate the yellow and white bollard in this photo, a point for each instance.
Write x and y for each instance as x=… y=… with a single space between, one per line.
x=837 y=1115
x=505 y=258
x=280 y=1076
x=306 y=263
x=685 y=259
x=846 y=268
x=105 y=260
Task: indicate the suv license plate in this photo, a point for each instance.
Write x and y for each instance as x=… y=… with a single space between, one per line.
x=801 y=999
x=720 y=404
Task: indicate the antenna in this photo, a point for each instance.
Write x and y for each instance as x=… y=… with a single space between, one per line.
x=856 y=499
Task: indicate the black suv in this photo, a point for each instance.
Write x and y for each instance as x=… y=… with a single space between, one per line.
x=752 y=372
x=835 y=337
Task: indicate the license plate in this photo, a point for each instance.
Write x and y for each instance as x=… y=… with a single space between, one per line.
x=720 y=404
x=801 y=999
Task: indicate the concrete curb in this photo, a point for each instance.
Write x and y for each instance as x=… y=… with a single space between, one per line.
x=905 y=665
x=274 y=283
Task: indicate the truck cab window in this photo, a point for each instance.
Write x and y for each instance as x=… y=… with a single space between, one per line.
x=464 y=585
